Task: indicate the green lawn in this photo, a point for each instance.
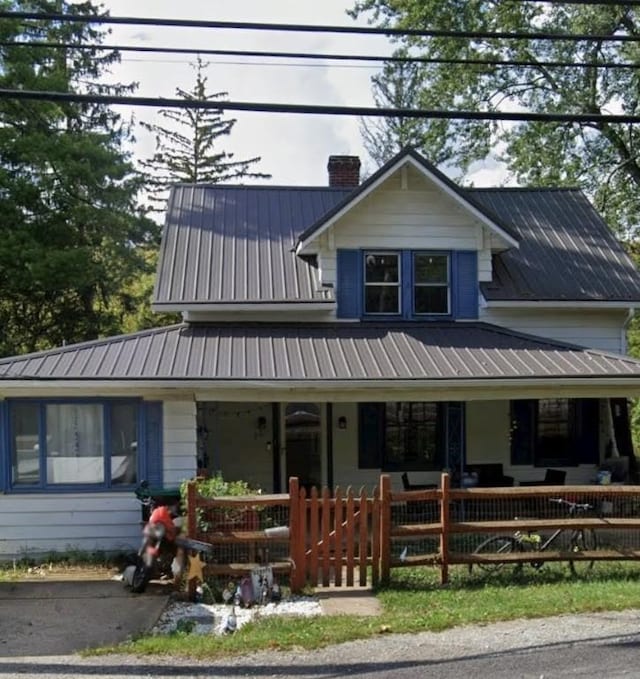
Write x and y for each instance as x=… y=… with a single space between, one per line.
x=415 y=602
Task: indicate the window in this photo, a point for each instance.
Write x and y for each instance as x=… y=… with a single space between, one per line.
x=73 y=443
x=430 y=284
x=402 y=435
x=382 y=283
x=555 y=432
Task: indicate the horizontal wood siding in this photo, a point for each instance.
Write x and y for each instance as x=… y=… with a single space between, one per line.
x=38 y=524
x=179 y=438
x=491 y=443
x=235 y=446
x=418 y=216
x=602 y=330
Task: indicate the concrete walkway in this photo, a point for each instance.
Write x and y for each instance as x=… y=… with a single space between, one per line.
x=358 y=601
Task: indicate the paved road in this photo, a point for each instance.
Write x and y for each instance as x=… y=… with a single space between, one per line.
x=586 y=646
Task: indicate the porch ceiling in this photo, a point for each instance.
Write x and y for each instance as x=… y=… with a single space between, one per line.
x=340 y=353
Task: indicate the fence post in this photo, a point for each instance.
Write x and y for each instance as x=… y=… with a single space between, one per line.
x=385 y=528
x=444 y=530
x=296 y=540
x=192 y=529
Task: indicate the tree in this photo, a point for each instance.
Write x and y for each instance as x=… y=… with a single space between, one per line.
x=396 y=87
x=187 y=149
x=72 y=234
x=600 y=157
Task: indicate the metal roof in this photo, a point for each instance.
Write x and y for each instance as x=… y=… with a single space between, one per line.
x=225 y=244
x=234 y=245
x=341 y=352
x=567 y=252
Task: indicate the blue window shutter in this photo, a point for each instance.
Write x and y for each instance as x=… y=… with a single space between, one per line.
x=370 y=435
x=5 y=446
x=465 y=284
x=406 y=277
x=586 y=431
x=455 y=437
x=349 y=280
x=523 y=432
x=153 y=442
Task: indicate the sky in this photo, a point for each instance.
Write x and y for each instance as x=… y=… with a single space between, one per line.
x=294 y=148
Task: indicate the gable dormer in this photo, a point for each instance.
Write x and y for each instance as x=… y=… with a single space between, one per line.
x=407 y=244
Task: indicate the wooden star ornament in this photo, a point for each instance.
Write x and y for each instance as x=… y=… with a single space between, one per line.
x=196 y=564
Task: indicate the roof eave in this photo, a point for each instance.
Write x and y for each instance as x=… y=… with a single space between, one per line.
x=338 y=390
x=561 y=304
x=284 y=305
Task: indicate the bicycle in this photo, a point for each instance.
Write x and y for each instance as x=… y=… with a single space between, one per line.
x=580 y=540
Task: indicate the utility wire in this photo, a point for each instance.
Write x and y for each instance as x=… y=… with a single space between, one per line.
x=309 y=28
x=64 y=97
x=319 y=56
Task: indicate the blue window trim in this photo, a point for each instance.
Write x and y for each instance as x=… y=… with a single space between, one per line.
x=7 y=438
x=407 y=303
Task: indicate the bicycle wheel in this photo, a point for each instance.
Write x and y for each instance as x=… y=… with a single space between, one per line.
x=582 y=541
x=498 y=544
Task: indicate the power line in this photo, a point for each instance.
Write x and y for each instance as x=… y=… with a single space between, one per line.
x=319 y=56
x=159 y=102
x=309 y=28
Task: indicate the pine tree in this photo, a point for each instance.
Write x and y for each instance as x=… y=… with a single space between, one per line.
x=187 y=149
x=72 y=234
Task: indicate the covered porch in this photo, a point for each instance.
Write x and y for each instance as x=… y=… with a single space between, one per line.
x=481 y=442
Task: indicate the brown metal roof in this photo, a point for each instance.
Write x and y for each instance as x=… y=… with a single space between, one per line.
x=234 y=244
x=340 y=352
x=567 y=252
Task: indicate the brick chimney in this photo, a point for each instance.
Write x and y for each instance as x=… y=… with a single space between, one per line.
x=344 y=171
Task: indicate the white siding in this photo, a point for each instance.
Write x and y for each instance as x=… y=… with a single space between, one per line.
x=41 y=523
x=419 y=216
x=488 y=441
x=37 y=524
x=179 y=441
x=235 y=446
x=597 y=329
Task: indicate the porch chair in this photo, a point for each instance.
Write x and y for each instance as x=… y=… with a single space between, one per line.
x=552 y=477
x=420 y=511
x=407 y=485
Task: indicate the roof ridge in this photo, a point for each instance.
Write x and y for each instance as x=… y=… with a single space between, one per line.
x=262 y=187
x=507 y=189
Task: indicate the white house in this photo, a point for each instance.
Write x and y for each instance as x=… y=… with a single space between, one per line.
x=401 y=325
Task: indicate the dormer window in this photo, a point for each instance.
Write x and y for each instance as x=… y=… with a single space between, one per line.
x=412 y=285
x=382 y=283
x=431 y=284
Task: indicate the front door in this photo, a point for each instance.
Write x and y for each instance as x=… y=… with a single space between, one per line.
x=302 y=425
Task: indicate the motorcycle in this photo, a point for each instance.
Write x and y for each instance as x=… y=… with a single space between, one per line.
x=162 y=551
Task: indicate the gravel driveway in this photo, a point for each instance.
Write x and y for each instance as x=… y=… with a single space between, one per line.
x=565 y=646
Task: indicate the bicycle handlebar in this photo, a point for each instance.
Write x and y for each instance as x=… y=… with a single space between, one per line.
x=572 y=505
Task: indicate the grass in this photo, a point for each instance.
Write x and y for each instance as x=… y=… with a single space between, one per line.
x=60 y=563
x=415 y=602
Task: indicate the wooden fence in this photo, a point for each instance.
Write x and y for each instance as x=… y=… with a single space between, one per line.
x=347 y=537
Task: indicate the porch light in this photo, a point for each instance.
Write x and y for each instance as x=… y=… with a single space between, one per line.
x=261 y=425
x=342 y=422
